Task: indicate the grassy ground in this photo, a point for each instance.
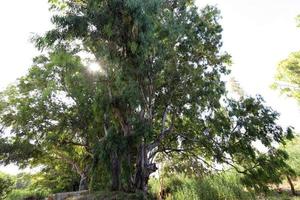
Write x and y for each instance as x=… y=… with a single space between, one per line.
x=223 y=187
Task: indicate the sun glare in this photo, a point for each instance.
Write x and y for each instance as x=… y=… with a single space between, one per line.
x=94 y=67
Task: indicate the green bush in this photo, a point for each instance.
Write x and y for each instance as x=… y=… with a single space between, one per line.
x=20 y=194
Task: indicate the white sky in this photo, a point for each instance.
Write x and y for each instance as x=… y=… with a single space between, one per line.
x=257 y=33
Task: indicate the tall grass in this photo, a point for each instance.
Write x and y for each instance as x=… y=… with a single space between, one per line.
x=225 y=186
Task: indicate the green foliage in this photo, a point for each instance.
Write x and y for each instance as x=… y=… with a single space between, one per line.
x=298 y=20
x=213 y=187
x=271 y=168
x=293 y=149
x=21 y=194
x=154 y=187
x=23 y=180
x=100 y=177
x=6 y=185
x=21 y=186
x=236 y=128
x=288 y=76
x=55 y=119
x=160 y=93
x=56 y=179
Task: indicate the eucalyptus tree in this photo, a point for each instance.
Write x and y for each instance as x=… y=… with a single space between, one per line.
x=162 y=67
x=160 y=91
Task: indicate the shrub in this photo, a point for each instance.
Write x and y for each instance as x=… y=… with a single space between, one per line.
x=22 y=194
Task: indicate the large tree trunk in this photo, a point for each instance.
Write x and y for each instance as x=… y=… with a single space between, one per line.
x=115 y=169
x=291 y=185
x=143 y=169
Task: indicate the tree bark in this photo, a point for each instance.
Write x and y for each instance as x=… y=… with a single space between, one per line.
x=143 y=169
x=130 y=187
x=139 y=175
x=291 y=185
x=115 y=167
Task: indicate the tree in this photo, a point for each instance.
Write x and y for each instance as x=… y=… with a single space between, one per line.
x=287 y=80
x=159 y=92
x=288 y=76
x=50 y=115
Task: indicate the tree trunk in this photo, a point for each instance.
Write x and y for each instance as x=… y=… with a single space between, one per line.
x=83 y=184
x=139 y=175
x=115 y=167
x=291 y=185
x=143 y=170
x=130 y=187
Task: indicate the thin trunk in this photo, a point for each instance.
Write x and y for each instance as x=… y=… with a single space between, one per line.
x=291 y=185
x=115 y=167
x=83 y=184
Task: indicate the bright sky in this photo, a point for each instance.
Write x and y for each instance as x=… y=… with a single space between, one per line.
x=257 y=33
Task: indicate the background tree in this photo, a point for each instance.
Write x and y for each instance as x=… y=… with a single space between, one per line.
x=288 y=76
x=287 y=80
